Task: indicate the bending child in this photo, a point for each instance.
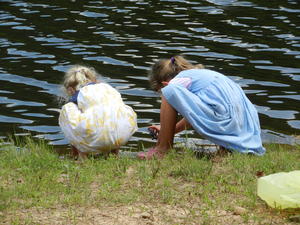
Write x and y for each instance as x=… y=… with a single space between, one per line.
x=211 y=103
x=95 y=119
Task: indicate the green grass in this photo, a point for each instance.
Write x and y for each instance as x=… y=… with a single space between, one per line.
x=35 y=177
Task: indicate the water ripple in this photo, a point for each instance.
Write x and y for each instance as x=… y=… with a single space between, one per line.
x=256 y=43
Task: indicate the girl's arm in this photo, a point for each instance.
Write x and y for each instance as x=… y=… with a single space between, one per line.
x=183 y=124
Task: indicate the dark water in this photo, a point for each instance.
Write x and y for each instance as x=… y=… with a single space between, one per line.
x=256 y=43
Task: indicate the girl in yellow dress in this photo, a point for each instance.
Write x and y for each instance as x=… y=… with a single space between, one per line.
x=95 y=119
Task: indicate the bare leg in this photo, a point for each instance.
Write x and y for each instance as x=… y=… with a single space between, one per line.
x=168 y=119
x=82 y=155
x=78 y=154
x=115 y=152
x=74 y=152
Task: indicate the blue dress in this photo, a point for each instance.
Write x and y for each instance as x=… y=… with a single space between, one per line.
x=217 y=108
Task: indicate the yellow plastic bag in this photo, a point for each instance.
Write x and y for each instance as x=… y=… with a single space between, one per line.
x=280 y=190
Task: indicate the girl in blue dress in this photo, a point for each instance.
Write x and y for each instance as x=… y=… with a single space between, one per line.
x=209 y=102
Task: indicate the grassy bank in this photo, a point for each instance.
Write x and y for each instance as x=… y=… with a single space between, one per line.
x=39 y=187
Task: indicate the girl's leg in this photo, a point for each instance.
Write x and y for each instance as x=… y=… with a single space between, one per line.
x=168 y=119
x=78 y=154
x=82 y=155
x=115 y=151
x=74 y=152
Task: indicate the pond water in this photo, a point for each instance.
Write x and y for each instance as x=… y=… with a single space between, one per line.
x=256 y=43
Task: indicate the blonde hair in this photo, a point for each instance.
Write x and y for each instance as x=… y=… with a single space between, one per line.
x=77 y=77
x=166 y=69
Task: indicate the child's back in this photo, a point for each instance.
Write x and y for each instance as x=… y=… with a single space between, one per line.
x=97 y=120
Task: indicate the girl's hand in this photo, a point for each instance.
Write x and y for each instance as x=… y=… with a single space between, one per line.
x=154 y=130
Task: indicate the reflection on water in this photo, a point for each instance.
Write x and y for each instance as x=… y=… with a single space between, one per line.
x=256 y=43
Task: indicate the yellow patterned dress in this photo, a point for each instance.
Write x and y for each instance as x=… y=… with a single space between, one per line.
x=100 y=122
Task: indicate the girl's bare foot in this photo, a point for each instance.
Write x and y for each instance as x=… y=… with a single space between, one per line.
x=152 y=153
